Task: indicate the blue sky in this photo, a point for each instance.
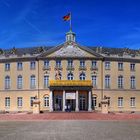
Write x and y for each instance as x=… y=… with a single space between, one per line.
x=110 y=23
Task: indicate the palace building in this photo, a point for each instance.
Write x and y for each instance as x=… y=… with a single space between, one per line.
x=70 y=75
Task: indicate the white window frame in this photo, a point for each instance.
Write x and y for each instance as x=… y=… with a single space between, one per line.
x=46 y=80
x=82 y=76
x=120 y=66
x=19 y=82
x=58 y=63
x=120 y=81
x=132 y=82
x=120 y=101
x=70 y=76
x=82 y=63
x=7 y=66
x=107 y=81
x=46 y=63
x=70 y=63
x=32 y=81
x=46 y=101
x=107 y=65
x=94 y=64
x=7 y=101
x=94 y=101
x=94 y=80
x=19 y=101
x=19 y=66
x=132 y=101
x=132 y=66
x=32 y=65
x=7 y=82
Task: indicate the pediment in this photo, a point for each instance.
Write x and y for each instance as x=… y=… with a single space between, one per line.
x=71 y=50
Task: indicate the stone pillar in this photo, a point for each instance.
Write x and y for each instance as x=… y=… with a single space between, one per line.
x=64 y=100
x=77 y=101
x=89 y=101
x=51 y=101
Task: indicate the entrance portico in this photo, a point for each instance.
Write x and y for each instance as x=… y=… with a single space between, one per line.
x=76 y=97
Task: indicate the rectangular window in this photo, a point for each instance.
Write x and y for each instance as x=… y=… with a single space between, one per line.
x=19 y=66
x=94 y=101
x=31 y=101
x=107 y=65
x=7 y=102
x=7 y=82
x=120 y=101
x=19 y=82
x=46 y=81
x=32 y=65
x=132 y=102
x=94 y=81
x=94 y=64
x=58 y=63
x=132 y=82
x=46 y=64
x=70 y=63
x=33 y=81
x=132 y=67
x=46 y=101
x=19 y=101
x=7 y=66
x=120 y=82
x=120 y=66
x=82 y=63
x=107 y=81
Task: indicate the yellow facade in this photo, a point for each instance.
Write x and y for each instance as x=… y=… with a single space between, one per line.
x=129 y=96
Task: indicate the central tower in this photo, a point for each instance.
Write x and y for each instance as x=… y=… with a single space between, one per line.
x=70 y=36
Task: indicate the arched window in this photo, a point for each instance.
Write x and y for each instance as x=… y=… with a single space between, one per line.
x=120 y=81
x=19 y=82
x=32 y=81
x=70 y=76
x=82 y=76
x=7 y=82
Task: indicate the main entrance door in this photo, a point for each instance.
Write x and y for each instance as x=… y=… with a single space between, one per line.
x=71 y=103
x=83 y=102
x=58 y=103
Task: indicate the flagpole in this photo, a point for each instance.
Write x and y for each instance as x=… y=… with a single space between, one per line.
x=70 y=22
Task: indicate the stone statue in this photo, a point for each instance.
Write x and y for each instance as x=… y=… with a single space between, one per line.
x=57 y=75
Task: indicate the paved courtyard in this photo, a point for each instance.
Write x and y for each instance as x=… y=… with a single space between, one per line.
x=70 y=116
x=69 y=130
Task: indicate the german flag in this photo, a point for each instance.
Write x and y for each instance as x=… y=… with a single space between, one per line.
x=67 y=17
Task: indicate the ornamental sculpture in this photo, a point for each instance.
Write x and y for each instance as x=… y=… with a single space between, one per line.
x=58 y=75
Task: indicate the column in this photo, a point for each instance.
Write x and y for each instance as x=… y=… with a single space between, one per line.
x=51 y=101
x=77 y=101
x=89 y=101
x=64 y=100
